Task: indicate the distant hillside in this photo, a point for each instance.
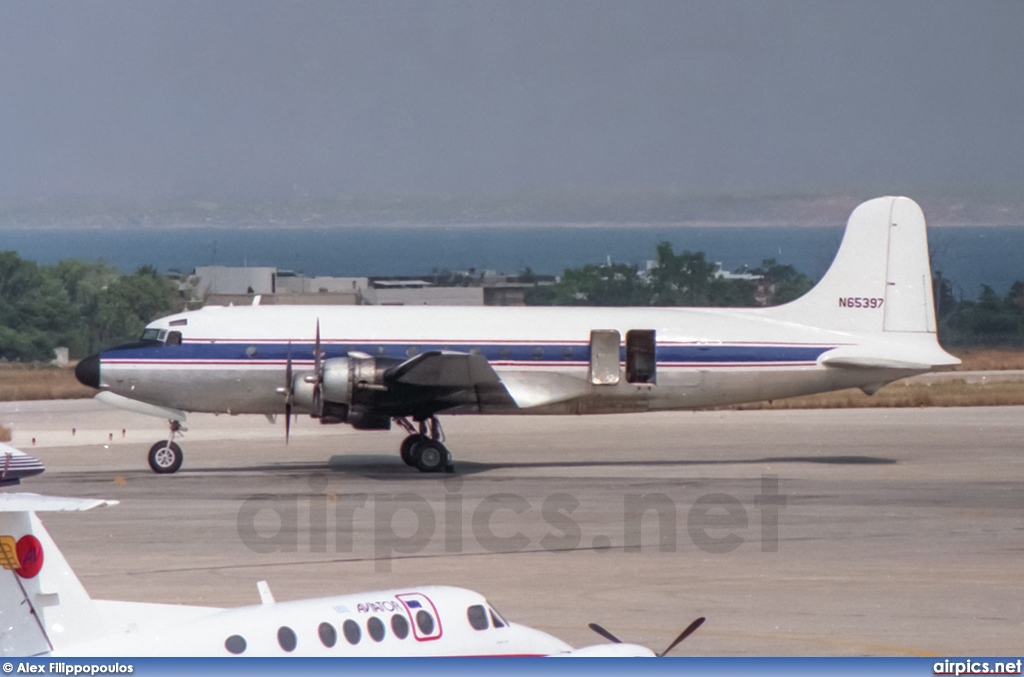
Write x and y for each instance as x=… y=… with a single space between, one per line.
x=617 y=208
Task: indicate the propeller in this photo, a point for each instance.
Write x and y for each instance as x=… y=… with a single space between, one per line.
x=316 y=379
x=690 y=629
x=289 y=396
x=683 y=635
x=604 y=633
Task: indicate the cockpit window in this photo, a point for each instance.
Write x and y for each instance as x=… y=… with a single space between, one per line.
x=151 y=335
x=477 y=616
x=496 y=618
x=173 y=338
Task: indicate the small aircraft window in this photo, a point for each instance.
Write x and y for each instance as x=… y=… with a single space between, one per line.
x=496 y=618
x=477 y=616
x=382 y=351
x=505 y=352
x=352 y=632
x=328 y=635
x=475 y=351
x=235 y=644
x=250 y=351
x=538 y=353
x=173 y=338
x=286 y=638
x=178 y=323
x=375 y=627
x=399 y=626
x=425 y=622
x=412 y=351
x=153 y=335
x=567 y=352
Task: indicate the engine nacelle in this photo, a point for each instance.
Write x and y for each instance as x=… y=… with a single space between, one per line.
x=345 y=379
x=345 y=376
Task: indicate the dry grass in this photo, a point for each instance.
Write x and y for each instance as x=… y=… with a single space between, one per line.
x=40 y=382
x=989 y=359
x=951 y=393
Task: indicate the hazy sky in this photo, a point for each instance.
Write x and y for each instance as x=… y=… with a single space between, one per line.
x=248 y=98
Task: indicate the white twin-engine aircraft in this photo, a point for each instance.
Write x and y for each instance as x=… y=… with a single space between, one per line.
x=868 y=322
x=45 y=611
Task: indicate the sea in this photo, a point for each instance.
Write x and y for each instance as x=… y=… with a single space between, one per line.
x=969 y=256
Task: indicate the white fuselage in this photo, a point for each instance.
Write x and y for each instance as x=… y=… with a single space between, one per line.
x=233 y=360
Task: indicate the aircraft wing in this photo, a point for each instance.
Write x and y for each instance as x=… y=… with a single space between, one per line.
x=443 y=370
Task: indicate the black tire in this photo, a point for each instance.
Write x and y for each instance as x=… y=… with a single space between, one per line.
x=407 y=450
x=431 y=456
x=165 y=457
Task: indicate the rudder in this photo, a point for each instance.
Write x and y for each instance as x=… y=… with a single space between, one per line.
x=880 y=280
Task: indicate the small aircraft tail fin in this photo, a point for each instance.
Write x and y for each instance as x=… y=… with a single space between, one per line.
x=880 y=280
x=43 y=606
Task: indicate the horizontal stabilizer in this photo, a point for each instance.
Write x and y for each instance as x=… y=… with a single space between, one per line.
x=39 y=503
x=917 y=356
x=443 y=370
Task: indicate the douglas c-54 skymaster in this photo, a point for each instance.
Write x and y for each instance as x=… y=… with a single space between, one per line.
x=868 y=322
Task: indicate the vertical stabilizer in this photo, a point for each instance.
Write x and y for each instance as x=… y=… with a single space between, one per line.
x=43 y=606
x=880 y=280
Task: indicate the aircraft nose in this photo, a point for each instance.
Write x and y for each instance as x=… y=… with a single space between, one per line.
x=88 y=371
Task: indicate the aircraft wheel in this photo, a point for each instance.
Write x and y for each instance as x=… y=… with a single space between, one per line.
x=432 y=456
x=165 y=457
x=407 y=449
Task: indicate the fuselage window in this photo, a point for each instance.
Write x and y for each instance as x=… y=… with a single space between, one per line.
x=412 y=351
x=375 y=627
x=505 y=352
x=567 y=352
x=352 y=632
x=538 y=353
x=496 y=618
x=477 y=616
x=235 y=644
x=286 y=638
x=328 y=635
x=173 y=338
x=382 y=351
x=399 y=626
x=425 y=622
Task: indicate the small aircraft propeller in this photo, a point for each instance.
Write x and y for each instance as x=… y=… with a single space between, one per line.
x=690 y=629
x=604 y=633
x=683 y=635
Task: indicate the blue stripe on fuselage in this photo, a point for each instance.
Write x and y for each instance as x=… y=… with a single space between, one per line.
x=510 y=352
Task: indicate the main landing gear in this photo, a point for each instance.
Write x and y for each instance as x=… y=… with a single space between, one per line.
x=165 y=456
x=424 y=447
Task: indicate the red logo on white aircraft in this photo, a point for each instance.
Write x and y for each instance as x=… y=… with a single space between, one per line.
x=30 y=556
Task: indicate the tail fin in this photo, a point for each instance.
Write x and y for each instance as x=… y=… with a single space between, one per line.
x=43 y=606
x=880 y=280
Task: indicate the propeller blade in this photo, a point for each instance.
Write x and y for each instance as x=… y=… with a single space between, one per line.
x=316 y=349
x=683 y=635
x=604 y=633
x=287 y=422
x=289 y=396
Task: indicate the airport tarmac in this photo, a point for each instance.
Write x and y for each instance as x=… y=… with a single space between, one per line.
x=898 y=531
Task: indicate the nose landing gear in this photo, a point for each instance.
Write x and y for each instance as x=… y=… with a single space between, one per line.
x=165 y=456
x=424 y=447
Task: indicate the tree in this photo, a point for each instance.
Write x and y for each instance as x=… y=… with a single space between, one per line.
x=594 y=285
